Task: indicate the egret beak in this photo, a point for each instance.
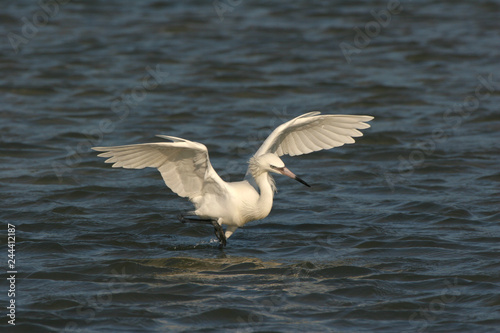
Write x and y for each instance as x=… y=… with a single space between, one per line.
x=286 y=172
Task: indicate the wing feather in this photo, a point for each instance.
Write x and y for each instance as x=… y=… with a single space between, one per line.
x=304 y=136
x=322 y=139
x=313 y=143
x=343 y=131
x=184 y=165
x=298 y=144
x=338 y=139
x=312 y=132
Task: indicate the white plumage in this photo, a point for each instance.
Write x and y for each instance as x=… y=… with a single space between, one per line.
x=186 y=168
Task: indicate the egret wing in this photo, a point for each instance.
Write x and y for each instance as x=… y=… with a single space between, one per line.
x=184 y=165
x=312 y=132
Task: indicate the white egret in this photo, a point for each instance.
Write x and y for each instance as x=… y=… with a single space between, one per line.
x=186 y=168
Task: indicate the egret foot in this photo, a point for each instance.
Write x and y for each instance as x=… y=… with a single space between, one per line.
x=219 y=232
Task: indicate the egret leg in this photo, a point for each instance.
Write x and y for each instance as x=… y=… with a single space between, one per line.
x=219 y=232
x=183 y=218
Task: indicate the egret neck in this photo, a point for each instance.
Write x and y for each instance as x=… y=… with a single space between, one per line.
x=265 y=182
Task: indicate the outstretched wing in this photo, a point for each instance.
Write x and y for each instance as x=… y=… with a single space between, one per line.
x=183 y=164
x=312 y=132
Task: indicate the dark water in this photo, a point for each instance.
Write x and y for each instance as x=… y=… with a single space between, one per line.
x=399 y=233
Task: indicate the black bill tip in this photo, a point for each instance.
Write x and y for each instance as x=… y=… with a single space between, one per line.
x=301 y=181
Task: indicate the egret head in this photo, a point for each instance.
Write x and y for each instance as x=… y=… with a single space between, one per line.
x=272 y=163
